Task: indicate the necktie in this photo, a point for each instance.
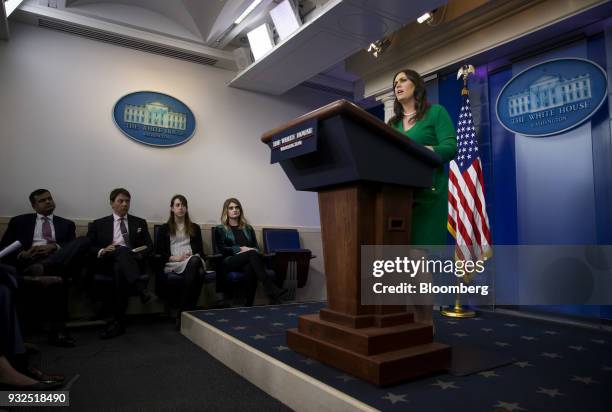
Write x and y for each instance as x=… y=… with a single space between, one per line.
x=46 y=230
x=124 y=231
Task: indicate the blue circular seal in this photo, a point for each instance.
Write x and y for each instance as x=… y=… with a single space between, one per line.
x=154 y=119
x=552 y=97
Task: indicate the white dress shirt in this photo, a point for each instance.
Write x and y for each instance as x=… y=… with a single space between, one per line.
x=38 y=239
x=117 y=236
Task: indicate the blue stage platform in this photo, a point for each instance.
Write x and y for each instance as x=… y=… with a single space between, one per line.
x=556 y=367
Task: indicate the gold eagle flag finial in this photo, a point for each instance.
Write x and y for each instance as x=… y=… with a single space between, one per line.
x=465 y=71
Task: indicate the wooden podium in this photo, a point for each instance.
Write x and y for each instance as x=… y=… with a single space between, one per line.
x=364 y=172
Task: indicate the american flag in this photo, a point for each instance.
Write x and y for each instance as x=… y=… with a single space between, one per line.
x=467 y=211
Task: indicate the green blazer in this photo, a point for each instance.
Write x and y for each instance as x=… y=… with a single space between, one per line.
x=226 y=242
x=430 y=205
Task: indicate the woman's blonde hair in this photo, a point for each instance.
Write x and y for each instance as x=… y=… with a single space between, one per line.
x=242 y=222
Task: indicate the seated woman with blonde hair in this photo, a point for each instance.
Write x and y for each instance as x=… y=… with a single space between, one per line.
x=236 y=240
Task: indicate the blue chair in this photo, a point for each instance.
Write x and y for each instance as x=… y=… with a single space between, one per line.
x=291 y=262
x=168 y=285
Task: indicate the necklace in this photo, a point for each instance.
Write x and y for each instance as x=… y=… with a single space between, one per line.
x=410 y=115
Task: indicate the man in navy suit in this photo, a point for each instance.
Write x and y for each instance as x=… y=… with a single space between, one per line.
x=113 y=240
x=49 y=255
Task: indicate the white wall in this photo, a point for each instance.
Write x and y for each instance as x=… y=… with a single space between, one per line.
x=56 y=131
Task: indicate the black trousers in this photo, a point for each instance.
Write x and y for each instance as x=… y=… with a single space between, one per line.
x=125 y=267
x=50 y=304
x=66 y=262
x=11 y=342
x=192 y=284
x=252 y=264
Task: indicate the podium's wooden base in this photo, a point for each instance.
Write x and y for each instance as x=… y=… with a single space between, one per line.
x=380 y=355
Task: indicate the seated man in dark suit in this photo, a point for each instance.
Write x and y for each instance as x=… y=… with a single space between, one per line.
x=113 y=239
x=49 y=255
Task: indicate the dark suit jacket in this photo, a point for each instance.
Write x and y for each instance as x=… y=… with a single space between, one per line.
x=22 y=227
x=162 y=242
x=100 y=233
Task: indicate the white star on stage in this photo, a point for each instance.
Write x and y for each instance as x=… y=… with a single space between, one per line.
x=460 y=334
x=243 y=311
x=528 y=337
x=291 y=314
x=486 y=330
x=523 y=364
x=587 y=380
x=551 y=332
x=222 y=320
x=258 y=337
x=577 y=348
x=607 y=368
x=278 y=324
x=239 y=327
x=281 y=348
x=309 y=361
x=502 y=344
x=600 y=341
x=393 y=398
x=488 y=374
x=511 y=325
x=272 y=308
x=510 y=407
x=445 y=385
x=550 y=392
x=345 y=378
x=258 y=317
x=551 y=355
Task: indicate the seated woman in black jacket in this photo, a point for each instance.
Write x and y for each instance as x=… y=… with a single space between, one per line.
x=179 y=243
x=236 y=240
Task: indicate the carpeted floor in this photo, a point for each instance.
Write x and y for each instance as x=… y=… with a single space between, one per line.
x=151 y=368
x=546 y=366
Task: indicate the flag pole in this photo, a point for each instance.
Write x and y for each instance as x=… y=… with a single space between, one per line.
x=458 y=311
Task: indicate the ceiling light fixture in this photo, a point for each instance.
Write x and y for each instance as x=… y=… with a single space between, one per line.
x=247 y=11
x=425 y=17
x=11 y=6
x=260 y=40
x=377 y=48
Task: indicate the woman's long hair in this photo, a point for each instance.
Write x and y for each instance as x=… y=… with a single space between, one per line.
x=420 y=98
x=242 y=222
x=172 y=223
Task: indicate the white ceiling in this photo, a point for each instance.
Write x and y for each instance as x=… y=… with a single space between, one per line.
x=203 y=31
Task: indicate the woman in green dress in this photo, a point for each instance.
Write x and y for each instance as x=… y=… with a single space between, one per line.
x=431 y=126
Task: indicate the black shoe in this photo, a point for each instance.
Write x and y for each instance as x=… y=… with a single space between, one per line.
x=35 y=373
x=61 y=339
x=275 y=298
x=112 y=330
x=222 y=304
x=38 y=386
x=145 y=296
